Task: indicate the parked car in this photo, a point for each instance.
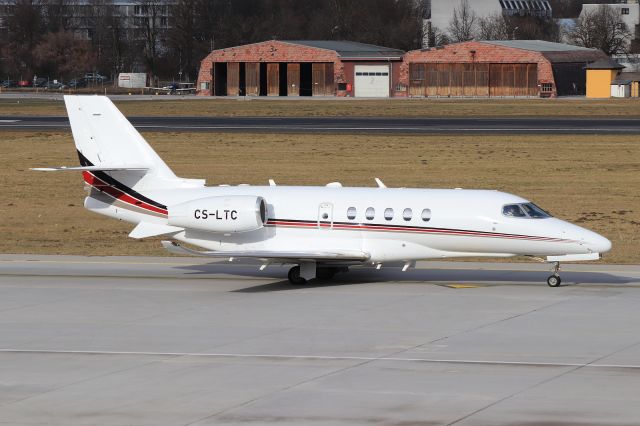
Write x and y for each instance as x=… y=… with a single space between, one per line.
x=78 y=83
x=55 y=86
x=95 y=77
x=40 y=82
x=8 y=83
x=24 y=83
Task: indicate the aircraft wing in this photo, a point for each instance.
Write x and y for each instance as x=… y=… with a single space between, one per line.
x=105 y=168
x=328 y=255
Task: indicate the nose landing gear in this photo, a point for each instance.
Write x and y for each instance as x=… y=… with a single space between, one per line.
x=555 y=280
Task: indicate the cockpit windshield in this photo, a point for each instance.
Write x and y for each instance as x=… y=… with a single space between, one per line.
x=524 y=210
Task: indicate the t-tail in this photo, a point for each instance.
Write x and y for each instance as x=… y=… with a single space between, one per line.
x=119 y=167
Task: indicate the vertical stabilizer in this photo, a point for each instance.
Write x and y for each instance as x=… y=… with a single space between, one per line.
x=104 y=136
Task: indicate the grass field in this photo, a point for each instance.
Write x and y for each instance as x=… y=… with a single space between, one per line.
x=590 y=180
x=173 y=106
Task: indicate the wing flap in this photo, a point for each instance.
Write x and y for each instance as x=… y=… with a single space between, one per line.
x=344 y=255
x=148 y=229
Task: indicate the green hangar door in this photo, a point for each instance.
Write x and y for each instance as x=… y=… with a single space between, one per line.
x=371 y=81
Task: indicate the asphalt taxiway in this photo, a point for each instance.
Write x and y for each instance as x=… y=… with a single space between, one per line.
x=383 y=125
x=127 y=340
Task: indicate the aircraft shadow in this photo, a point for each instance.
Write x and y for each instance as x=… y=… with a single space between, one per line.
x=359 y=276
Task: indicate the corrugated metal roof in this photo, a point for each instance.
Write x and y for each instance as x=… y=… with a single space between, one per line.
x=632 y=76
x=537 y=45
x=604 y=64
x=351 y=49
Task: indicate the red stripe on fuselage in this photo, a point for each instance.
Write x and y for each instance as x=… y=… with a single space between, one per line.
x=116 y=193
x=415 y=230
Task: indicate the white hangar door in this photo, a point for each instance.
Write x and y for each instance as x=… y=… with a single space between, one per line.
x=371 y=81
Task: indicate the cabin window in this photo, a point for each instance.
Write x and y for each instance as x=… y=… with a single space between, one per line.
x=370 y=213
x=406 y=214
x=388 y=214
x=351 y=213
x=513 y=210
x=426 y=215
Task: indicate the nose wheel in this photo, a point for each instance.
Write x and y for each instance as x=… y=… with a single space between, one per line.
x=555 y=280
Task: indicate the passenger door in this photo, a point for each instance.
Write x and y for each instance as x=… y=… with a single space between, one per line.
x=325 y=216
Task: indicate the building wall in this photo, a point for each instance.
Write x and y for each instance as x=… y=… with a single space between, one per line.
x=631 y=19
x=477 y=52
x=267 y=51
x=599 y=83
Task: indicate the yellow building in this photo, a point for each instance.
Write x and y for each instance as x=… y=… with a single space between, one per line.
x=600 y=75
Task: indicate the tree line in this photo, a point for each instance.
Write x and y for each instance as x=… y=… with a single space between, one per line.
x=601 y=28
x=65 y=38
x=167 y=39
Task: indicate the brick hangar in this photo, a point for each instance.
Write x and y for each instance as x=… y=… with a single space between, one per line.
x=518 y=68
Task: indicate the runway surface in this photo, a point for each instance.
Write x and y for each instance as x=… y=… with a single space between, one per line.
x=150 y=341
x=354 y=125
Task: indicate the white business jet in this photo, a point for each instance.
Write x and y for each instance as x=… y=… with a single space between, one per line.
x=318 y=230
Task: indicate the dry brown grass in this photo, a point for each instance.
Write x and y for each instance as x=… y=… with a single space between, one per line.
x=170 y=106
x=592 y=181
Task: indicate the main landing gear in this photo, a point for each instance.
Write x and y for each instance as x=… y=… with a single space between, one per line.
x=555 y=280
x=322 y=273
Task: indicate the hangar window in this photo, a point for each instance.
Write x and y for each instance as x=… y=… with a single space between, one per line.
x=351 y=213
x=388 y=214
x=370 y=213
x=406 y=214
x=426 y=215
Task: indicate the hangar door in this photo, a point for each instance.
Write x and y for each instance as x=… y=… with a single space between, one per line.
x=371 y=81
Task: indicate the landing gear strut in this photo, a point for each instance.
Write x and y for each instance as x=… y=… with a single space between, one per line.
x=321 y=273
x=554 y=280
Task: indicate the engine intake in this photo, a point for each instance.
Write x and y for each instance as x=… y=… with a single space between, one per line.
x=233 y=213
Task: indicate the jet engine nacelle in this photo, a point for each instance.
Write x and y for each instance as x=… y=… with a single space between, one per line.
x=233 y=213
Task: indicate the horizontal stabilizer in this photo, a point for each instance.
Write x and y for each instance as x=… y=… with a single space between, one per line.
x=343 y=255
x=148 y=229
x=102 y=168
x=574 y=257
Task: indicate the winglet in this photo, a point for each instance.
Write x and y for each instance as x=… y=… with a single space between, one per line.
x=380 y=183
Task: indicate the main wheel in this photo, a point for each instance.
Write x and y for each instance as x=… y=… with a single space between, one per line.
x=294 y=276
x=554 y=281
x=326 y=273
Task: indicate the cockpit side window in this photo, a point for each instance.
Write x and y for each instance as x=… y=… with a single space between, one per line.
x=534 y=211
x=513 y=210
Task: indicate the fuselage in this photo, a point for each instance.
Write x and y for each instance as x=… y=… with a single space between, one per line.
x=390 y=224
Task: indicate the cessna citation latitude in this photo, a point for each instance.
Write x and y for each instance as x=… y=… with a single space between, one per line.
x=318 y=230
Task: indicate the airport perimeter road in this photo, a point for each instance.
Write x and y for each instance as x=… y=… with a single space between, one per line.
x=354 y=125
x=151 y=341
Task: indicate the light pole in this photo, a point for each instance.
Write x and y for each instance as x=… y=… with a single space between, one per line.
x=513 y=33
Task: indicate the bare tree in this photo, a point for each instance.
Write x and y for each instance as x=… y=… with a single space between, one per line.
x=25 y=26
x=494 y=27
x=462 y=26
x=151 y=24
x=60 y=54
x=602 y=28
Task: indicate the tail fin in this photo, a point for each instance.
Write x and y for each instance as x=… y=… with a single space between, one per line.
x=106 y=140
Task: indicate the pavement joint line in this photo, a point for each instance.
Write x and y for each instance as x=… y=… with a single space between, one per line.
x=322 y=357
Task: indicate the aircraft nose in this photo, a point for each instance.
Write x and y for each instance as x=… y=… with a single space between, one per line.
x=599 y=244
